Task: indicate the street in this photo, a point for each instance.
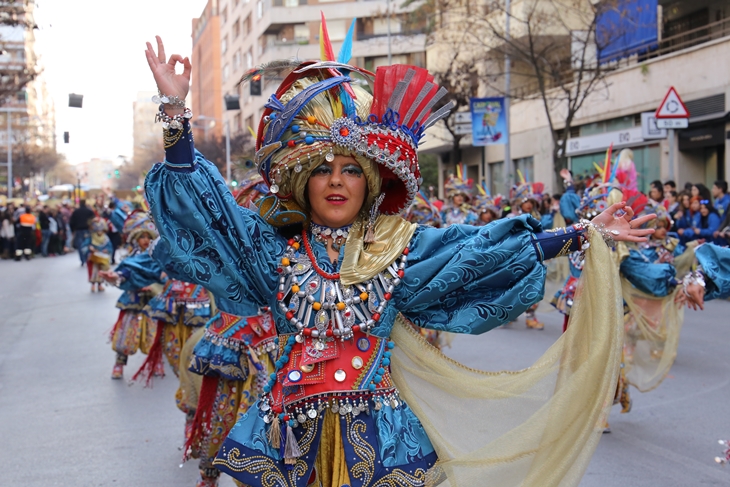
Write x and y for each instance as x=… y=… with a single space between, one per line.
x=63 y=422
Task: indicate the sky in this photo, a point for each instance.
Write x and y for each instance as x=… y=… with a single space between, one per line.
x=96 y=48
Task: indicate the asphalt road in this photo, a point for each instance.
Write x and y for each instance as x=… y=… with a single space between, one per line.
x=63 y=422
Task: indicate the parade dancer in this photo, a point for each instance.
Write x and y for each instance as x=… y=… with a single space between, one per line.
x=235 y=356
x=337 y=161
x=97 y=250
x=525 y=201
x=487 y=208
x=458 y=191
x=137 y=277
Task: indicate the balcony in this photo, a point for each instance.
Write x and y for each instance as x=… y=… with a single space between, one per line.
x=276 y=16
x=373 y=46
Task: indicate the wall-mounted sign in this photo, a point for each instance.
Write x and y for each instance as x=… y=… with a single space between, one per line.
x=599 y=142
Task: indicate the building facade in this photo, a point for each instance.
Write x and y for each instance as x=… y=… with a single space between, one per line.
x=691 y=37
x=205 y=91
x=255 y=32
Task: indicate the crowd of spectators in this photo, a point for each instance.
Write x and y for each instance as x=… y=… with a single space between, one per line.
x=699 y=213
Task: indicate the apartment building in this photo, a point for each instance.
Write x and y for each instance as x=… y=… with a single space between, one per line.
x=684 y=51
x=205 y=90
x=254 y=32
x=31 y=110
x=145 y=133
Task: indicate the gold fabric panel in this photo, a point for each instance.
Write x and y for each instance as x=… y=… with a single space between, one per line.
x=536 y=427
x=330 y=463
x=190 y=383
x=364 y=261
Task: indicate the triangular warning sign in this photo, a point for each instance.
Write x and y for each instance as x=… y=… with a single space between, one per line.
x=672 y=106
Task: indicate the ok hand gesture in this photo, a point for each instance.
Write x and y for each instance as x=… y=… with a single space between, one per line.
x=168 y=82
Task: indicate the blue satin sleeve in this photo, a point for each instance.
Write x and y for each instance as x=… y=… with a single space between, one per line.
x=715 y=262
x=206 y=238
x=466 y=279
x=139 y=271
x=117 y=218
x=569 y=204
x=655 y=279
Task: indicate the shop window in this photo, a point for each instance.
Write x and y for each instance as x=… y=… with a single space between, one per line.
x=526 y=166
x=612 y=125
x=647 y=160
x=496 y=179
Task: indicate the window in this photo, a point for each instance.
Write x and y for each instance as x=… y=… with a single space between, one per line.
x=224 y=15
x=249 y=58
x=226 y=72
x=337 y=30
x=247 y=26
x=646 y=159
x=496 y=179
x=604 y=126
x=259 y=9
x=380 y=26
x=301 y=32
x=372 y=63
x=237 y=60
x=526 y=166
x=224 y=45
x=291 y=3
x=236 y=31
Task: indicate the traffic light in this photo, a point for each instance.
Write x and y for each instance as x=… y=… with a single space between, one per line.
x=65 y=137
x=234 y=183
x=109 y=175
x=116 y=173
x=256 y=85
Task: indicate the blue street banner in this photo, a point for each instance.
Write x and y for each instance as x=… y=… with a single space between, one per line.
x=488 y=125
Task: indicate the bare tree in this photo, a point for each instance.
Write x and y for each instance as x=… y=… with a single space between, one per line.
x=554 y=47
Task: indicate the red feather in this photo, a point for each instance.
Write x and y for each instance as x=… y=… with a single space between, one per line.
x=635 y=199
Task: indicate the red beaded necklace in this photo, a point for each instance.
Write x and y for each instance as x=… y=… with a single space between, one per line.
x=310 y=254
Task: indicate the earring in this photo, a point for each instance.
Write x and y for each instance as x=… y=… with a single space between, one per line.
x=374 y=213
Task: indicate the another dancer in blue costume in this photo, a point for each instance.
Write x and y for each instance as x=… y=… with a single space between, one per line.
x=570 y=201
x=526 y=201
x=458 y=210
x=330 y=256
x=97 y=251
x=136 y=275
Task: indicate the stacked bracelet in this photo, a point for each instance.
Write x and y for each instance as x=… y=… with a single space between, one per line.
x=606 y=234
x=173 y=101
x=693 y=277
x=175 y=122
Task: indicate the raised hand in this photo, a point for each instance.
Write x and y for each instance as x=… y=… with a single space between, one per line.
x=624 y=228
x=168 y=82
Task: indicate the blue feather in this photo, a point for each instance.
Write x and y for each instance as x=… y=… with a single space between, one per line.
x=345 y=53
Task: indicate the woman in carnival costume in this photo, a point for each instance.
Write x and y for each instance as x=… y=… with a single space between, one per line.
x=141 y=278
x=526 y=201
x=458 y=211
x=336 y=264
x=97 y=251
x=487 y=208
x=234 y=356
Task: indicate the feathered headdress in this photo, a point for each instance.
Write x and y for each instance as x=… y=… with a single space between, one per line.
x=138 y=223
x=524 y=190
x=424 y=212
x=321 y=109
x=484 y=201
x=603 y=191
x=99 y=224
x=459 y=184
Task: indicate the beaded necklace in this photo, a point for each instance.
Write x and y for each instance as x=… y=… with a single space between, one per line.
x=306 y=290
x=322 y=234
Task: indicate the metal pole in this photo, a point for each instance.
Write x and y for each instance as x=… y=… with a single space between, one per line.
x=671 y=154
x=10 y=156
x=507 y=68
x=228 y=153
x=390 y=56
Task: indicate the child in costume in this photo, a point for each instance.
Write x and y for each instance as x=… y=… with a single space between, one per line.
x=458 y=211
x=97 y=251
x=339 y=161
x=141 y=279
x=487 y=208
